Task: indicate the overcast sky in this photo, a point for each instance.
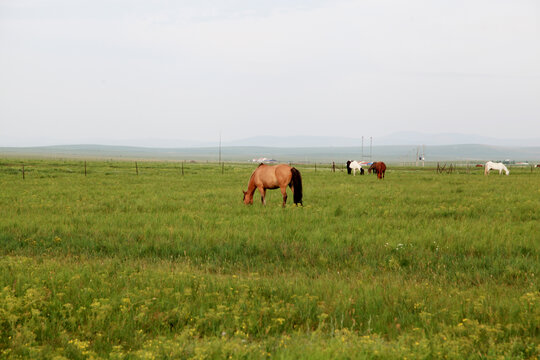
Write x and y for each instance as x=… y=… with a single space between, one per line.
x=85 y=71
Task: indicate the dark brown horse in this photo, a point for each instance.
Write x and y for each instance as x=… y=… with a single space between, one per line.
x=273 y=177
x=378 y=168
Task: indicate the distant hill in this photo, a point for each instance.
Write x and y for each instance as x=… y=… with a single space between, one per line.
x=416 y=138
x=298 y=141
x=401 y=138
x=394 y=153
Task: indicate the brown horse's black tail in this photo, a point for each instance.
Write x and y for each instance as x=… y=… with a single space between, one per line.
x=296 y=183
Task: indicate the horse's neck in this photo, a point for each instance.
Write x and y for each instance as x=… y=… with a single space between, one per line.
x=251 y=185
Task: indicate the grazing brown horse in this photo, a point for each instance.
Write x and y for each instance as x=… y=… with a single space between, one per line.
x=273 y=177
x=378 y=168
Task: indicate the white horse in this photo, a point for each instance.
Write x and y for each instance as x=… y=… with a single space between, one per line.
x=355 y=165
x=496 y=166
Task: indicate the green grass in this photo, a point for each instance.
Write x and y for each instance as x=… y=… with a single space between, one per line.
x=119 y=265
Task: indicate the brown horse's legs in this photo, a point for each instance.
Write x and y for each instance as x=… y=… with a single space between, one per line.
x=263 y=194
x=284 y=193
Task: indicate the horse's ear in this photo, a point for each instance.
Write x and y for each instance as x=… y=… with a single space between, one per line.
x=245 y=192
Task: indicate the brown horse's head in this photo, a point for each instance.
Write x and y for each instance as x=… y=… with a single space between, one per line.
x=248 y=199
x=372 y=167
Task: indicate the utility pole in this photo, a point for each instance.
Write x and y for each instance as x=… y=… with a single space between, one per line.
x=220 y=147
x=416 y=160
x=370 y=146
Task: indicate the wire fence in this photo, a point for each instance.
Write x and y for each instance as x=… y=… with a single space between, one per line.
x=48 y=168
x=51 y=168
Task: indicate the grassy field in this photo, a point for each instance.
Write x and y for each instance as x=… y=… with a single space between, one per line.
x=164 y=265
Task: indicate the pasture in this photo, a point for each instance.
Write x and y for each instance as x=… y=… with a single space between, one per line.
x=160 y=265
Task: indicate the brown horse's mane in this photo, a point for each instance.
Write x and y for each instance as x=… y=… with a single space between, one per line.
x=253 y=174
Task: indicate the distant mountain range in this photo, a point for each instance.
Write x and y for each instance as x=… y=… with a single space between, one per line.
x=416 y=138
x=401 y=138
x=399 y=147
x=389 y=153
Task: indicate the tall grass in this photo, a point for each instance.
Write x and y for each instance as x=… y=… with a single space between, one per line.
x=116 y=265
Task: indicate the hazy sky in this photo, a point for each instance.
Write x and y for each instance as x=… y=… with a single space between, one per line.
x=78 y=71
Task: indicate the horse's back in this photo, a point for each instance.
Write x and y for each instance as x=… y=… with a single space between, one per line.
x=496 y=166
x=378 y=166
x=273 y=176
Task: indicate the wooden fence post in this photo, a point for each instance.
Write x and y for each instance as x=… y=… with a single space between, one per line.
x=84 y=167
x=333 y=166
x=316 y=167
x=222 y=168
x=183 y=167
x=23 y=171
x=136 y=168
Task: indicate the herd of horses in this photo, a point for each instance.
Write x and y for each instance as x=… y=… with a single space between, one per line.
x=281 y=176
x=377 y=167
